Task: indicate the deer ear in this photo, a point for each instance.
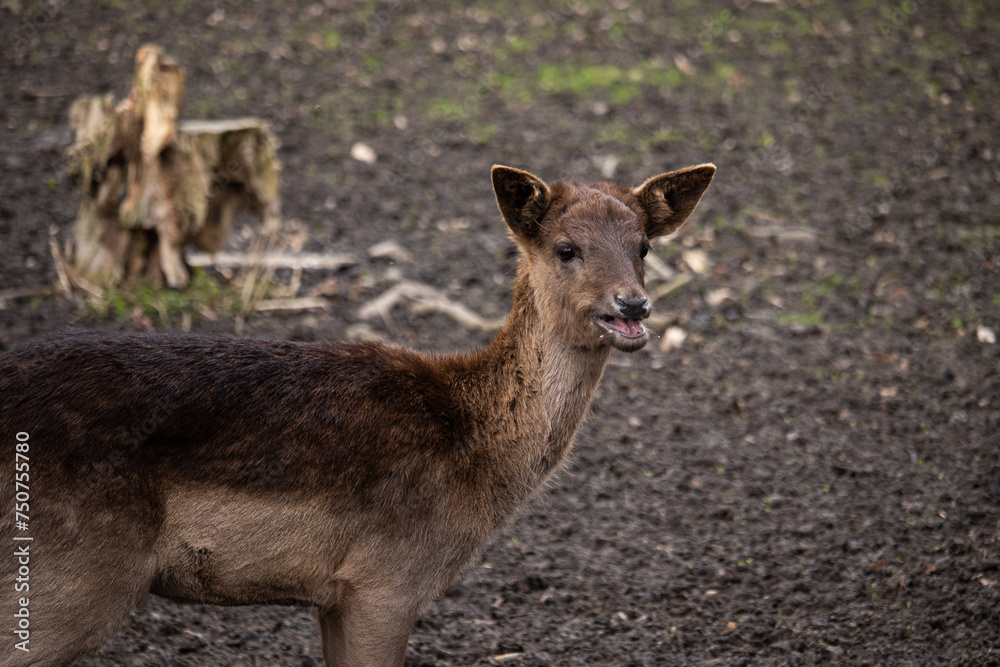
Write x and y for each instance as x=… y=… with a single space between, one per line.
x=669 y=199
x=523 y=199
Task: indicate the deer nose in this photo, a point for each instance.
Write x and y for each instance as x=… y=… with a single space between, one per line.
x=632 y=309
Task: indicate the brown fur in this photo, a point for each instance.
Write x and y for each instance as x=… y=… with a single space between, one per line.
x=358 y=478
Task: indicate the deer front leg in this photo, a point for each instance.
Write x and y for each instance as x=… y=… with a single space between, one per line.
x=367 y=631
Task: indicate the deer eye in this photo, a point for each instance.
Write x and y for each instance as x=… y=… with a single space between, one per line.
x=565 y=252
x=644 y=250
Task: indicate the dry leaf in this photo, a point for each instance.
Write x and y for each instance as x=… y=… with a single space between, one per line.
x=697 y=260
x=362 y=152
x=717 y=297
x=672 y=339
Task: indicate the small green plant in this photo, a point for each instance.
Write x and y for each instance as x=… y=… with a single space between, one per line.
x=618 y=85
x=204 y=295
x=448 y=109
x=331 y=39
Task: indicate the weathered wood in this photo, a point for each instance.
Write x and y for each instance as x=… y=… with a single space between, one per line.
x=151 y=184
x=307 y=260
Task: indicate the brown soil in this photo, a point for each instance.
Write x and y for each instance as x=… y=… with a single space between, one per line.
x=812 y=476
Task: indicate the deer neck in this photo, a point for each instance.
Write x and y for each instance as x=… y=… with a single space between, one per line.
x=557 y=380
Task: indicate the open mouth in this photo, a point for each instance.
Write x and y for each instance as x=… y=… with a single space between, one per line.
x=624 y=327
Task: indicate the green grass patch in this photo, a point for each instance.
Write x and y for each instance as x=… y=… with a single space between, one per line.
x=371 y=62
x=664 y=136
x=618 y=85
x=482 y=133
x=589 y=81
x=812 y=296
x=203 y=294
x=331 y=39
x=803 y=319
x=447 y=108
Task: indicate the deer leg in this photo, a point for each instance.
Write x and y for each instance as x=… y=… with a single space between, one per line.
x=367 y=632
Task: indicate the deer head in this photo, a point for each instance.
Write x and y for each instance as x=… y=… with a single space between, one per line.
x=583 y=246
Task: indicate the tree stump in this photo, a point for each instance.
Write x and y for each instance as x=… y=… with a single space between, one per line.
x=150 y=184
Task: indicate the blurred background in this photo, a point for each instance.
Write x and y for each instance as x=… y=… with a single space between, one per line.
x=803 y=466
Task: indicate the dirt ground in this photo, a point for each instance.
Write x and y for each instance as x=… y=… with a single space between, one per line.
x=811 y=476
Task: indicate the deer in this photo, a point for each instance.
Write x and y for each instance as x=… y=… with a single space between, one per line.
x=359 y=479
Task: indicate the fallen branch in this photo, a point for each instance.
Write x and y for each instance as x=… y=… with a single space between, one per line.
x=301 y=303
x=308 y=260
x=426 y=298
x=22 y=292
